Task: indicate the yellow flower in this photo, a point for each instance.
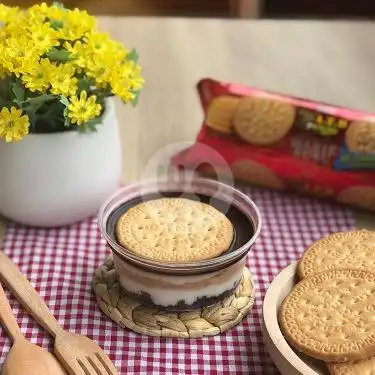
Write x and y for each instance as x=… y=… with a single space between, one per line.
x=120 y=89
x=39 y=78
x=55 y=13
x=125 y=80
x=62 y=80
x=131 y=72
x=3 y=71
x=98 y=42
x=100 y=69
x=42 y=9
x=13 y=126
x=15 y=28
x=18 y=55
x=100 y=46
x=8 y=14
x=76 y=24
x=43 y=36
x=51 y=12
x=26 y=65
x=81 y=110
x=78 y=52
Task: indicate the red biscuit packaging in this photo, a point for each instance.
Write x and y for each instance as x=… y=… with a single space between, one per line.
x=284 y=143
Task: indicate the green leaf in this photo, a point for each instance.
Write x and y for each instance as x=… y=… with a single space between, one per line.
x=84 y=84
x=19 y=93
x=32 y=119
x=4 y=103
x=132 y=56
x=136 y=97
x=58 y=55
x=90 y=126
x=37 y=102
x=64 y=100
x=101 y=100
x=52 y=120
x=56 y=24
x=5 y=83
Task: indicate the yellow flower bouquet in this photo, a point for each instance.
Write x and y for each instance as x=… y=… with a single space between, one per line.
x=57 y=69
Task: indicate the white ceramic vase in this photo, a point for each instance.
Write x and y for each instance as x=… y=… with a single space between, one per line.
x=57 y=179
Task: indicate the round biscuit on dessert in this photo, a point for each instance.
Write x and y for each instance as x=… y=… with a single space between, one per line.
x=175 y=230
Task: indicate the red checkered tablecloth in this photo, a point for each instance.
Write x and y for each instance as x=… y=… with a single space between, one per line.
x=60 y=263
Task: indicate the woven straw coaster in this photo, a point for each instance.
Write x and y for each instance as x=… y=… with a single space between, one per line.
x=208 y=321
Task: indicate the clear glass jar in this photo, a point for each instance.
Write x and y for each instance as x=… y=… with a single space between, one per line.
x=182 y=286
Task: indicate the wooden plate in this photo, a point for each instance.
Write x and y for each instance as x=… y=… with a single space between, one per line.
x=288 y=361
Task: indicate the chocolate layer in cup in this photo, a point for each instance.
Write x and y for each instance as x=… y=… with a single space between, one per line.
x=178 y=292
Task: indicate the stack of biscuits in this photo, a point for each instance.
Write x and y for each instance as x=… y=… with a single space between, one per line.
x=330 y=313
x=259 y=121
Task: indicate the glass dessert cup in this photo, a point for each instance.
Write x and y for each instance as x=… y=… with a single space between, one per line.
x=182 y=286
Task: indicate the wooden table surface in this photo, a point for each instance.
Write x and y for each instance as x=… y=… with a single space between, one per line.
x=327 y=61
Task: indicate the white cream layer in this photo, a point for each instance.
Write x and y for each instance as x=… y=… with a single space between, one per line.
x=168 y=290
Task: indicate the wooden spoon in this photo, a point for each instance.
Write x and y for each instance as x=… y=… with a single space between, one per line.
x=24 y=357
x=78 y=354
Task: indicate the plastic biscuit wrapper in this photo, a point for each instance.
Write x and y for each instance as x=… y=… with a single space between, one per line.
x=285 y=143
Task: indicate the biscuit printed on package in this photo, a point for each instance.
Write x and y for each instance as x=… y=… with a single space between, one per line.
x=358 y=148
x=220 y=113
x=256 y=174
x=262 y=121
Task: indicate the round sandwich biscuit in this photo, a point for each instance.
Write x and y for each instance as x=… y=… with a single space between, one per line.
x=364 y=367
x=358 y=196
x=360 y=137
x=254 y=173
x=175 y=230
x=330 y=315
x=263 y=121
x=220 y=113
x=354 y=249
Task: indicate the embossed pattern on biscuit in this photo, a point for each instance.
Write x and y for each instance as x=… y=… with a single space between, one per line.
x=354 y=249
x=263 y=122
x=175 y=230
x=358 y=196
x=360 y=137
x=331 y=315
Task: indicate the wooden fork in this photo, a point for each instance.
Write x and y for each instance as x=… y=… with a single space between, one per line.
x=78 y=354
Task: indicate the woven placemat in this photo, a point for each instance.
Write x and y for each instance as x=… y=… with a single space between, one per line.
x=131 y=314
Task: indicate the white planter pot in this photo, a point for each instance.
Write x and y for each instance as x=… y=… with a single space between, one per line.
x=60 y=178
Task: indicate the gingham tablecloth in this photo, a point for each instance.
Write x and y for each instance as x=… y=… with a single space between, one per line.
x=60 y=263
